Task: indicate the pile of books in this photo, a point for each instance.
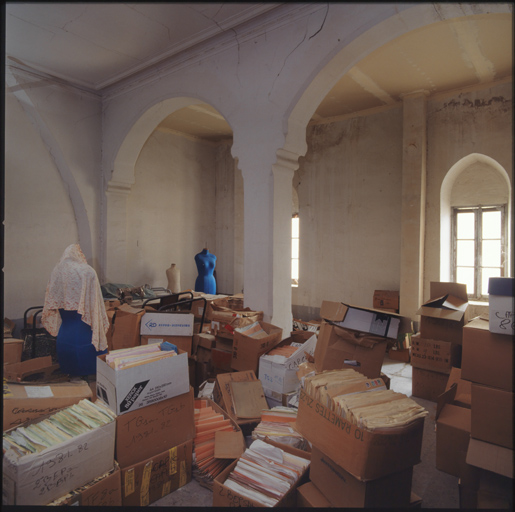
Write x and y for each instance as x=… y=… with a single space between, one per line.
x=363 y=402
x=277 y=424
x=265 y=473
x=57 y=428
x=142 y=354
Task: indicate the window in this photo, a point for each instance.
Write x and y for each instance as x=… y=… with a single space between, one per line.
x=478 y=247
x=295 y=250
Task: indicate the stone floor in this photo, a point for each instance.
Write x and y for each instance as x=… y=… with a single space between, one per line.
x=437 y=489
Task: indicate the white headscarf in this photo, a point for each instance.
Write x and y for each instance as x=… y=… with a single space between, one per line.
x=74 y=286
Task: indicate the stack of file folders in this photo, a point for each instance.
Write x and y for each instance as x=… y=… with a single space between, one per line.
x=277 y=424
x=57 y=428
x=363 y=402
x=265 y=473
x=143 y=354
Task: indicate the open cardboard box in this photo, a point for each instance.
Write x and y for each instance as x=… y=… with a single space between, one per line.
x=372 y=321
x=225 y=497
x=364 y=454
x=463 y=390
x=13 y=349
x=501 y=318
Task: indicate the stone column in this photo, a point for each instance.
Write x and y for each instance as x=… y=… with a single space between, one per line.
x=414 y=144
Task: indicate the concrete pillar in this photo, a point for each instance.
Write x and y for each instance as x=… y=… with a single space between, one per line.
x=414 y=143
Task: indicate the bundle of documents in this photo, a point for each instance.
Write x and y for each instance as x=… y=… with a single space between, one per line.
x=364 y=402
x=143 y=354
x=285 y=351
x=265 y=473
x=57 y=428
x=207 y=423
x=277 y=424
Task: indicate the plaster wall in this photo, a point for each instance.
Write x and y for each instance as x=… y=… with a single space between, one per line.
x=478 y=121
x=52 y=185
x=349 y=189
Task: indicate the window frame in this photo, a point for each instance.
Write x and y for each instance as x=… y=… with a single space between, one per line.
x=478 y=210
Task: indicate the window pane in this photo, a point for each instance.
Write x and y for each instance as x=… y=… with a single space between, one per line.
x=465 y=253
x=295 y=248
x=486 y=274
x=492 y=225
x=295 y=269
x=491 y=256
x=295 y=227
x=465 y=225
x=466 y=276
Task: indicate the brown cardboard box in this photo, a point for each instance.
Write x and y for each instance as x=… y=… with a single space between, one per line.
x=41 y=369
x=182 y=342
x=104 y=491
x=427 y=384
x=204 y=340
x=364 y=454
x=152 y=429
x=151 y=479
x=126 y=327
x=452 y=434
x=491 y=457
x=495 y=491
x=386 y=299
x=309 y=496
x=222 y=394
x=13 y=349
x=372 y=321
x=223 y=343
x=435 y=355
x=492 y=415
x=403 y=354
x=225 y=497
x=221 y=359
x=247 y=350
x=24 y=402
x=342 y=489
x=463 y=390
x=336 y=345
x=487 y=357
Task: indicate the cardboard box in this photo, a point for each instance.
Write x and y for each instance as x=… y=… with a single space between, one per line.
x=452 y=434
x=204 y=340
x=501 y=309
x=372 y=321
x=311 y=326
x=13 y=349
x=427 y=384
x=127 y=390
x=434 y=355
x=491 y=457
x=342 y=489
x=246 y=350
x=386 y=299
x=221 y=360
x=153 y=429
x=40 y=369
x=181 y=342
x=225 y=497
x=25 y=402
x=487 y=357
x=40 y=478
x=364 y=454
x=309 y=496
x=445 y=313
x=167 y=324
x=403 y=354
x=492 y=415
x=126 y=327
x=278 y=373
x=104 y=491
x=342 y=348
x=495 y=491
x=151 y=479
x=222 y=394
x=463 y=391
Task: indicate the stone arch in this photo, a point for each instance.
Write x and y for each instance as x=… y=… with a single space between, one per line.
x=445 y=204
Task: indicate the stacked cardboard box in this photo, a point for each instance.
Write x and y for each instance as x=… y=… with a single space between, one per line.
x=154 y=425
x=437 y=347
x=488 y=365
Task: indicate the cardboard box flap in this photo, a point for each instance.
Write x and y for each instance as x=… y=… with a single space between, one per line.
x=438 y=289
x=357 y=338
x=491 y=457
x=503 y=286
x=447 y=307
x=228 y=445
x=446 y=398
x=333 y=311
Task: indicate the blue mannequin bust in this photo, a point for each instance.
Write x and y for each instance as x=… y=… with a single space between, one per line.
x=206 y=263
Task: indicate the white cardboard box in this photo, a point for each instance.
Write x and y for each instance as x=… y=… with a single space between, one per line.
x=40 y=478
x=279 y=374
x=167 y=324
x=130 y=389
x=501 y=314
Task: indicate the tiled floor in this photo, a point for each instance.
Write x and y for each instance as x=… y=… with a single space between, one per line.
x=437 y=489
